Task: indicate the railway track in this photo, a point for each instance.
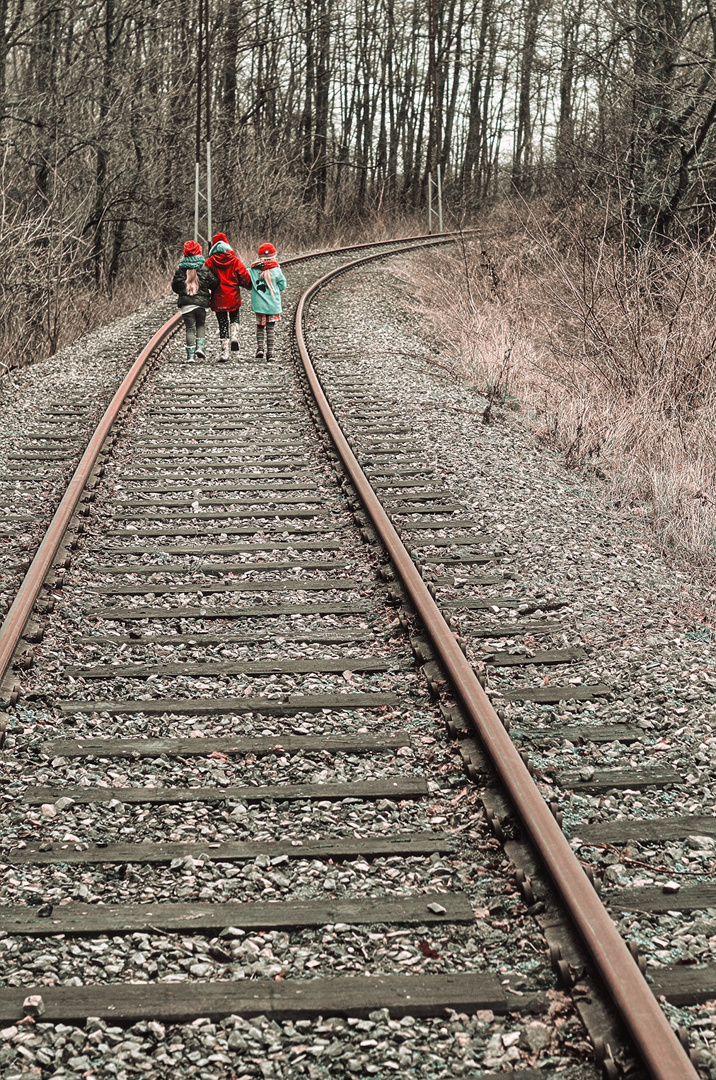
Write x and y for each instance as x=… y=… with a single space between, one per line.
x=228 y=792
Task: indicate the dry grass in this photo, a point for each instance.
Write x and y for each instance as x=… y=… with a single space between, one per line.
x=612 y=354
x=48 y=294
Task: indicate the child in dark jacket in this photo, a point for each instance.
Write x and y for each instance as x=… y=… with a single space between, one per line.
x=226 y=300
x=268 y=283
x=194 y=284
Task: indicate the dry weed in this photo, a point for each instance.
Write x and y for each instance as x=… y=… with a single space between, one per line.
x=611 y=352
x=48 y=291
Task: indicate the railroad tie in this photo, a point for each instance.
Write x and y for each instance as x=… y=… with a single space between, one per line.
x=403 y=846
x=407 y=787
x=261 y=706
x=221 y=668
x=249 y=611
x=361 y=743
x=401 y=995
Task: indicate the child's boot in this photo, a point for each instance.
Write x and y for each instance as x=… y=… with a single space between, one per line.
x=190 y=353
x=224 y=350
x=234 y=337
x=201 y=348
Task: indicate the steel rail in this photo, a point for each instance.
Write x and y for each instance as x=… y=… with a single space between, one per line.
x=656 y=1042
x=16 y=619
x=17 y=616
x=428 y=238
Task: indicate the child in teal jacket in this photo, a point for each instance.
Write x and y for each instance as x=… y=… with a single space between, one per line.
x=268 y=283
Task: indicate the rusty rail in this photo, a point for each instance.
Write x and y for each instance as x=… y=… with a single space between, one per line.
x=16 y=619
x=656 y=1042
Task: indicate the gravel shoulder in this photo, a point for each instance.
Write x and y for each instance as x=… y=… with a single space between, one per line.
x=48 y=412
x=503 y=938
x=585 y=565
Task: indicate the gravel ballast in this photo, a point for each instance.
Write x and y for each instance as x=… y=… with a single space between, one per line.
x=503 y=938
x=585 y=567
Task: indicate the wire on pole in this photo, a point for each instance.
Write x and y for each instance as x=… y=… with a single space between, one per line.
x=203 y=113
x=207 y=66
x=197 y=157
x=430 y=203
x=440 y=199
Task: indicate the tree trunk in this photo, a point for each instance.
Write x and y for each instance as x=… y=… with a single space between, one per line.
x=323 y=82
x=522 y=162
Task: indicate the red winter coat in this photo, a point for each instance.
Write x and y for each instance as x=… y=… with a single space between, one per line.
x=231 y=273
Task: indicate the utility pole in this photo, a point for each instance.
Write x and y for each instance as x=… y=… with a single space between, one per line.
x=440 y=197
x=197 y=155
x=207 y=65
x=430 y=203
x=434 y=150
x=203 y=72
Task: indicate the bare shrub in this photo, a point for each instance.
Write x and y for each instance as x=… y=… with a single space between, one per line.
x=612 y=352
x=48 y=294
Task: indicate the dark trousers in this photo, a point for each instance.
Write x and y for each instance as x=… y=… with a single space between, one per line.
x=195 y=323
x=223 y=318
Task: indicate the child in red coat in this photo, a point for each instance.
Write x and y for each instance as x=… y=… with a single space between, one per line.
x=226 y=299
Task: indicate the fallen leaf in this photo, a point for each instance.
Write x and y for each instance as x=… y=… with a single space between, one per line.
x=426 y=950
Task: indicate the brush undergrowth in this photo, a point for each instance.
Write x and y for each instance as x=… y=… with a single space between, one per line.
x=611 y=351
x=50 y=299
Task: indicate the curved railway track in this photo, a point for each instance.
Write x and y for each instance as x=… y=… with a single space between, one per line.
x=243 y=617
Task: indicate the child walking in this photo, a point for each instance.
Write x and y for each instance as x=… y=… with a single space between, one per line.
x=194 y=284
x=226 y=299
x=268 y=283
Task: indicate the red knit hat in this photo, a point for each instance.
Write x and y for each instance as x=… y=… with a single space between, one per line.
x=192 y=248
x=219 y=238
x=266 y=250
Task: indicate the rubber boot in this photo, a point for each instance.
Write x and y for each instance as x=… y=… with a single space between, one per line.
x=234 y=337
x=201 y=348
x=190 y=353
x=224 y=350
x=270 y=341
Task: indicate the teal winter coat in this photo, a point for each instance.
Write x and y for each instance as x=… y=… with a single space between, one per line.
x=263 y=302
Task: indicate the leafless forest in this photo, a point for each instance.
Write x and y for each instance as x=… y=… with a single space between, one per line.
x=327 y=119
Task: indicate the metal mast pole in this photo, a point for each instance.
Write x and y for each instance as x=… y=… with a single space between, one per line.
x=197 y=157
x=440 y=199
x=430 y=202
x=431 y=133
x=208 y=121
x=435 y=109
